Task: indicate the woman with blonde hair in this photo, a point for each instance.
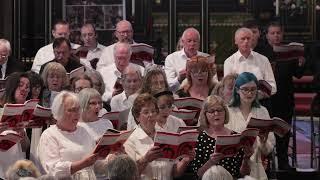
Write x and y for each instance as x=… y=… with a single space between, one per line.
x=225 y=87
x=55 y=80
x=213 y=117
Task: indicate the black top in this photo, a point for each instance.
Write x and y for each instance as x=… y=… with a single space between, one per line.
x=283 y=101
x=13 y=66
x=205 y=147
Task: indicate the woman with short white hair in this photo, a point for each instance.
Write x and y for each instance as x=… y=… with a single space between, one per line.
x=65 y=149
x=91 y=104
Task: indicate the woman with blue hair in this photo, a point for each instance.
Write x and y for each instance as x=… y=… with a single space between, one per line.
x=244 y=105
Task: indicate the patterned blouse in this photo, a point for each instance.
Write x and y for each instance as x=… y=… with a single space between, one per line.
x=205 y=147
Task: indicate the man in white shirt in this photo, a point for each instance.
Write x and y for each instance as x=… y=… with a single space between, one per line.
x=175 y=63
x=93 y=49
x=131 y=81
x=246 y=60
x=124 y=33
x=111 y=74
x=45 y=54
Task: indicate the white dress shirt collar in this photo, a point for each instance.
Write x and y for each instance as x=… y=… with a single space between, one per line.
x=240 y=57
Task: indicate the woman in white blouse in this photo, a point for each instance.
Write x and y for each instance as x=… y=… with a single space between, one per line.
x=165 y=121
x=55 y=80
x=140 y=145
x=243 y=106
x=65 y=149
x=91 y=104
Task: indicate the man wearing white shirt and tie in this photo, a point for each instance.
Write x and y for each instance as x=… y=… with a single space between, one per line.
x=246 y=60
x=45 y=54
x=111 y=74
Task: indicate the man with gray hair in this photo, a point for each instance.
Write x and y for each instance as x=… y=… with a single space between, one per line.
x=122 y=167
x=175 y=63
x=246 y=60
x=131 y=80
x=8 y=65
x=112 y=73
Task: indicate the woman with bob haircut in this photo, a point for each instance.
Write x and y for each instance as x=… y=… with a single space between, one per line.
x=213 y=117
x=199 y=79
x=91 y=104
x=140 y=145
x=17 y=89
x=66 y=149
x=243 y=106
x=55 y=80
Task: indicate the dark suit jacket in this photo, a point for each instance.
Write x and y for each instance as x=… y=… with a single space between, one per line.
x=13 y=66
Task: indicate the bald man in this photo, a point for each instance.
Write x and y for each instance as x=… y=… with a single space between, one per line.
x=246 y=60
x=175 y=63
x=124 y=34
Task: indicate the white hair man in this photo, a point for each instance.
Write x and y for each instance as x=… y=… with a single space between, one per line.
x=175 y=63
x=46 y=54
x=8 y=64
x=112 y=73
x=246 y=60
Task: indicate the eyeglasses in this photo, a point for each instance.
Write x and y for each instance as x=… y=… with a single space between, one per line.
x=165 y=106
x=248 y=90
x=216 y=111
x=149 y=112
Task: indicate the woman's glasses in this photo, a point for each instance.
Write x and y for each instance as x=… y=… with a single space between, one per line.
x=248 y=90
x=215 y=111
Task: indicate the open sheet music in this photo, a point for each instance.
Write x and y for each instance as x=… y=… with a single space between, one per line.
x=174 y=145
x=111 y=141
x=229 y=145
x=276 y=125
